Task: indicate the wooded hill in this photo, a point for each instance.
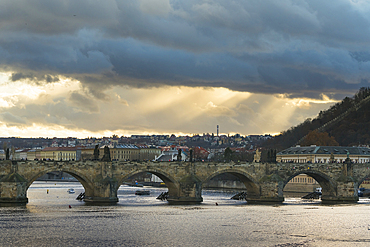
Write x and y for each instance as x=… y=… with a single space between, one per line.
x=347 y=123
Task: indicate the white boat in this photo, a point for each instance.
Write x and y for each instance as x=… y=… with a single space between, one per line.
x=71 y=191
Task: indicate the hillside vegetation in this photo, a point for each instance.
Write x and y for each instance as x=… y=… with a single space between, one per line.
x=346 y=123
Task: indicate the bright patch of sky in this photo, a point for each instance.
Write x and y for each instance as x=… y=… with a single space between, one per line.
x=66 y=109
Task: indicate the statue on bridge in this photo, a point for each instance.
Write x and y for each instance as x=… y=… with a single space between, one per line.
x=332 y=159
x=348 y=160
x=106 y=156
x=179 y=154
x=96 y=152
x=257 y=156
x=271 y=155
x=7 y=154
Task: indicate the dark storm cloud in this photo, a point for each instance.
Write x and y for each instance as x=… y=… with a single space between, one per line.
x=11 y=119
x=84 y=102
x=32 y=77
x=300 y=48
x=60 y=112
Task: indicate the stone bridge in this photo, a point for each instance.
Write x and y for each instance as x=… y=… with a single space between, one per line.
x=264 y=182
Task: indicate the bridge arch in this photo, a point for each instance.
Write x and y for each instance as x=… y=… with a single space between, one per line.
x=86 y=183
x=326 y=183
x=251 y=185
x=169 y=181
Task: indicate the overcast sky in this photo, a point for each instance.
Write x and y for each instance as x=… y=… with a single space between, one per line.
x=94 y=68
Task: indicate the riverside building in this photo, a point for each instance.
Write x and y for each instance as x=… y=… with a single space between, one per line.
x=324 y=154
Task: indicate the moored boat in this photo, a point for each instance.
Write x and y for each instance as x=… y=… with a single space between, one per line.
x=362 y=192
x=142 y=192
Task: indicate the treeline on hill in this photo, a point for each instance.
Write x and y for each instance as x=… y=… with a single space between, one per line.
x=353 y=129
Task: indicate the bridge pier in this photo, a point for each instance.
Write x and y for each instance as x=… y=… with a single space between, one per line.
x=270 y=191
x=13 y=193
x=265 y=200
x=13 y=187
x=346 y=193
x=103 y=192
x=338 y=199
x=189 y=191
x=100 y=200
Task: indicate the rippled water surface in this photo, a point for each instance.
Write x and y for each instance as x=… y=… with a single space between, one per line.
x=47 y=220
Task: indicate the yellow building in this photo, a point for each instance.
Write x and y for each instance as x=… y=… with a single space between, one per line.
x=58 y=153
x=365 y=184
x=123 y=153
x=149 y=153
x=33 y=154
x=301 y=183
x=87 y=153
x=20 y=154
x=303 y=179
x=324 y=154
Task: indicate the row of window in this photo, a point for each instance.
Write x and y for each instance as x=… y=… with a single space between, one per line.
x=66 y=155
x=128 y=152
x=122 y=152
x=303 y=180
x=324 y=160
x=121 y=157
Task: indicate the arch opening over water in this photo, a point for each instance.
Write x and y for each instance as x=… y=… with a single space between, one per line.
x=302 y=183
x=167 y=180
x=250 y=186
x=59 y=187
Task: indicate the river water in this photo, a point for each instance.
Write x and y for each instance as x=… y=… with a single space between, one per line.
x=47 y=220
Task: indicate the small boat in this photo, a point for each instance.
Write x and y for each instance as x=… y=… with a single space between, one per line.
x=314 y=195
x=240 y=196
x=362 y=192
x=71 y=191
x=142 y=192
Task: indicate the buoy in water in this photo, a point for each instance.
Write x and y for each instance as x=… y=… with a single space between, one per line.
x=70 y=206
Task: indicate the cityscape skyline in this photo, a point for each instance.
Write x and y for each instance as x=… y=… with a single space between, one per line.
x=171 y=67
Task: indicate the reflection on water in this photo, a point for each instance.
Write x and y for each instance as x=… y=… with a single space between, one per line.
x=47 y=220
